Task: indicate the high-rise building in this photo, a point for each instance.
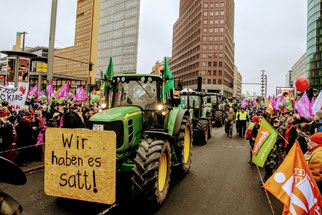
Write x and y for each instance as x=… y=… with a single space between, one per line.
x=314 y=48
x=203 y=45
x=298 y=69
x=238 y=80
x=104 y=29
x=118 y=35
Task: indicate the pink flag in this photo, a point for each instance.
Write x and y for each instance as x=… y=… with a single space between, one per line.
x=61 y=122
x=6 y=84
x=39 y=139
x=254 y=102
x=39 y=96
x=33 y=91
x=304 y=106
x=64 y=92
x=244 y=103
x=50 y=91
x=80 y=94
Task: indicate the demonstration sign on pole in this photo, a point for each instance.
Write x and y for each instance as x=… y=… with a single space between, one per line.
x=264 y=143
x=16 y=97
x=81 y=164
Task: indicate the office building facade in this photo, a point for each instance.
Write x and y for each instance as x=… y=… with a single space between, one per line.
x=203 y=45
x=297 y=70
x=238 y=80
x=314 y=48
x=104 y=29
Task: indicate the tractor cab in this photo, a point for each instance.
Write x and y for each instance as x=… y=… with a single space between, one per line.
x=216 y=102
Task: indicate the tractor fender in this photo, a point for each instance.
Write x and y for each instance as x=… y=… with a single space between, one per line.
x=160 y=135
x=180 y=115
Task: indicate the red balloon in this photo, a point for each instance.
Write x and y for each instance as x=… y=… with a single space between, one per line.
x=1 y=78
x=302 y=84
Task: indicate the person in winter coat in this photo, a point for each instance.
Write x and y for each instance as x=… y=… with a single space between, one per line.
x=314 y=157
x=252 y=134
x=318 y=121
x=291 y=133
x=230 y=120
x=73 y=119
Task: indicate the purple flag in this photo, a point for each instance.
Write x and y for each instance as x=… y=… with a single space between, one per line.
x=39 y=139
x=61 y=122
x=254 y=102
x=80 y=95
x=33 y=91
x=244 y=103
x=304 y=106
x=39 y=96
x=64 y=92
x=50 y=91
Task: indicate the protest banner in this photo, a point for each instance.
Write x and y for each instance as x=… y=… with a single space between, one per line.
x=80 y=164
x=304 y=106
x=264 y=143
x=16 y=97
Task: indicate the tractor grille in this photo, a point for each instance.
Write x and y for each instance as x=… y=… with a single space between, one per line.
x=117 y=127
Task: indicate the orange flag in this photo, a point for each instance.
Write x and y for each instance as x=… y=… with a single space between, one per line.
x=294 y=185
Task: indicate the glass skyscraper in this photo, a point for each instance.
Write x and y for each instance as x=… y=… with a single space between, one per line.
x=314 y=44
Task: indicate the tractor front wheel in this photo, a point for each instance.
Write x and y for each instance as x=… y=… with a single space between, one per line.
x=218 y=119
x=151 y=172
x=184 y=143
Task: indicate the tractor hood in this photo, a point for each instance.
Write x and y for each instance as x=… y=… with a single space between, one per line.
x=116 y=114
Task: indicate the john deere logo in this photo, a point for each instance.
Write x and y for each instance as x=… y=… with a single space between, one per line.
x=262 y=136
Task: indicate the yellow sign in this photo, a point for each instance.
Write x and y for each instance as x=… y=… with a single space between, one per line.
x=80 y=164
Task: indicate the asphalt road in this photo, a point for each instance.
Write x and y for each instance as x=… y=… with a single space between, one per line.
x=220 y=182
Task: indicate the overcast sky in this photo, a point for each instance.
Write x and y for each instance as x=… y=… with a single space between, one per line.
x=269 y=35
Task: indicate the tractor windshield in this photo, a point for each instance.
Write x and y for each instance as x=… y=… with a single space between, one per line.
x=195 y=101
x=213 y=99
x=136 y=92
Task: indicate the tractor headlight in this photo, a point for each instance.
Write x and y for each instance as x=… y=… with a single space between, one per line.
x=103 y=105
x=160 y=107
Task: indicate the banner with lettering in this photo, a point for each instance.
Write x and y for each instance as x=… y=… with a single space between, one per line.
x=16 y=97
x=264 y=143
x=304 y=106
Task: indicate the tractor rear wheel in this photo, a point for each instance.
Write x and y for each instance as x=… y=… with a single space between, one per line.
x=151 y=172
x=200 y=133
x=218 y=118
x=184 y=144
x=210 y=125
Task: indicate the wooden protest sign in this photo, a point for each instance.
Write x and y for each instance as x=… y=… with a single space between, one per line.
x=80 y=164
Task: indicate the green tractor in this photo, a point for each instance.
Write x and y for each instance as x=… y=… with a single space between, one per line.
x=153 y=136
x=200 y=114
x=216 y=102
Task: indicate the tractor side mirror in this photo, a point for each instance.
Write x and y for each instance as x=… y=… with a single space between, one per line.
x=98 y=85
x=178 y=84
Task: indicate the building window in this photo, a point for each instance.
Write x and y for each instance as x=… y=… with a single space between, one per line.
x=222 y=4
x=205 y=13
x=211 y=4
x=211 y=30
x=221 y=47
x=214 y=72
x=216 y=21
x=204 y=64
x=217 y=4
x=205 y=30
x=222 y=12
x=209 y=64
x=205 y=21
x=215 y=46
x=219 y=81
x=221 y=21
x=211 y=22
x=214 y=81
x=220 y=64
x=204 y=39
x=216 y=29
x=211 y=13
x=203 y=72
x=206 y=5
x=210 y=47
x=216 y=13
x=209 y=55
x=216 y=55
x=216 y=38
x=220 y=55
x=204 y=55
x=219 y=72
x=215 y=63
x=221 y=29
x=209 y=81
x=204 y=47
x=221 y=38
x=209 y=72
x=211 y=38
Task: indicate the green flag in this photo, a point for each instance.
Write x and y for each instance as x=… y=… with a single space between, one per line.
x=265 y=140
x=108 y=75
x=168 y=77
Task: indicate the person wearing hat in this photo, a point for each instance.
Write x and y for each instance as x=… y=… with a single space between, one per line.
x=252 y=133
x=243 y=118
x=314 y=157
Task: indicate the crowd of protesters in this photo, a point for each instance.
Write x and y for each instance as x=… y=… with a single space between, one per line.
x=291 y=128
x=20 y=130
